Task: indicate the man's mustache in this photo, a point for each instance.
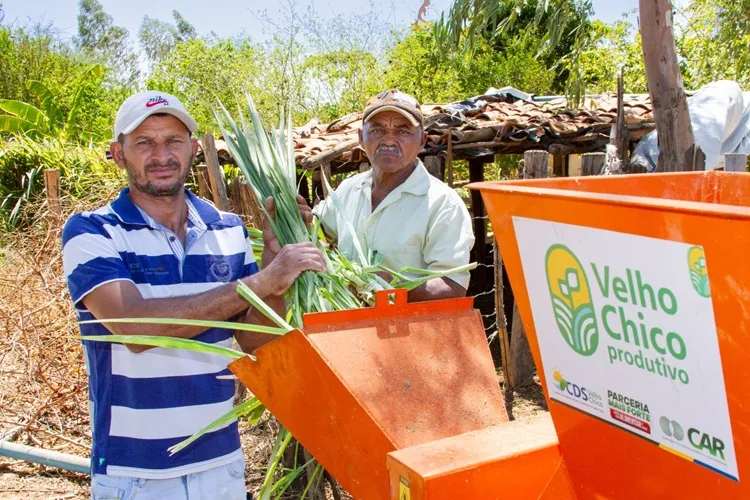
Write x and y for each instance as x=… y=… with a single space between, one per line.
x=155 y=164
x=388 y=149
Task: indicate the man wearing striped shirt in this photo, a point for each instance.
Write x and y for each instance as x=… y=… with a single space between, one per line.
x=160 y=251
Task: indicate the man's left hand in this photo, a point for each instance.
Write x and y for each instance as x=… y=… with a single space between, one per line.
x=271 y=245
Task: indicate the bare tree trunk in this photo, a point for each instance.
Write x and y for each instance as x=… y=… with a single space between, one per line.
x=677 y=149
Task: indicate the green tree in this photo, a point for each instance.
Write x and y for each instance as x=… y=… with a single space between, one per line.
x=715 y=42
x=563 y=26
x=102 y=40
x=614 y=46
x=158 y=38
x=416 y=65
x=199 y=72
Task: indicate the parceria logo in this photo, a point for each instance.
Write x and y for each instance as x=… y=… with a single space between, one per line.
x=571 y=300
x=698 y=271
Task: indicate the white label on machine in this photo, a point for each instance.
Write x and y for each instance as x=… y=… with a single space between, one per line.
x=626 y=329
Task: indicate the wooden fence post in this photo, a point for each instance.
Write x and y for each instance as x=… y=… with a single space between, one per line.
x=215 y=176
x=592 y=163
x=734 y=162
x=502 y=322
x=476 y=174
x=520 y=369
x=434 y=165
x=204 y=189
x=52 y=187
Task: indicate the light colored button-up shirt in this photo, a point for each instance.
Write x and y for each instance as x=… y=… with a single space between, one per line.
x=422 y=223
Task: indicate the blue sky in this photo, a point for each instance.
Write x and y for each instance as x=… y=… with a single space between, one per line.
x=231 y=17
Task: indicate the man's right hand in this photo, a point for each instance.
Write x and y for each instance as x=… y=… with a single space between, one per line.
x=291 y=261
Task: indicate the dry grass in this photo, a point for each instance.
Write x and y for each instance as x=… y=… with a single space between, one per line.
x=43 y=383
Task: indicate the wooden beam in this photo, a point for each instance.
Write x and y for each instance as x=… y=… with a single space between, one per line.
x=52 y=188
x=476 y=174
x=735 y=162
x=215 y=175
x=592 y=163
x=677 y=149
x=521 y=366
x=329 y=155
x=204 y=188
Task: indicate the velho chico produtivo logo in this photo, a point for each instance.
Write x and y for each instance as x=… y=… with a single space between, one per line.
x=698 y=271
x=701 y=441
x=571 y=300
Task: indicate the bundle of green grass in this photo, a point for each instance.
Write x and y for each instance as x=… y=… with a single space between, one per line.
x=266 y=159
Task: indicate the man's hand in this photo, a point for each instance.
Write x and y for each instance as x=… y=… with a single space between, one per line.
x=271 y=245
x=291 y=261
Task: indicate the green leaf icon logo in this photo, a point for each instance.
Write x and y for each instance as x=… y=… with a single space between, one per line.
x=571 y=300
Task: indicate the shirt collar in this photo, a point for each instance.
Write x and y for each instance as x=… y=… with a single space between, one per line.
x=417 y=183
x=201 y=212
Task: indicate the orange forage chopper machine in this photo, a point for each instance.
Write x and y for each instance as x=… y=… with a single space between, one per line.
x=634 y=292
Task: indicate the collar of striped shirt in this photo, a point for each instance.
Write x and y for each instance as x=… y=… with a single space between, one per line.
x=198 y=210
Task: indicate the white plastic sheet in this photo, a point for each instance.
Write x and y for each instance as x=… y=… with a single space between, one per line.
x=720 y=116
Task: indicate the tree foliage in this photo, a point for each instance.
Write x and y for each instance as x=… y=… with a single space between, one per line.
x=158 y=38
x=561 y=26
x=101 y=39
x=716 y=41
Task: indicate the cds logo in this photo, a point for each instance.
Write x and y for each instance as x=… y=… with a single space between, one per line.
x=569 y=387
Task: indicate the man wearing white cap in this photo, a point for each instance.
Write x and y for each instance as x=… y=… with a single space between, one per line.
x=160 y=251
x=397 y=209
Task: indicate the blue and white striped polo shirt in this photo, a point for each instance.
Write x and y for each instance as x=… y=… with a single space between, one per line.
x=141 y=404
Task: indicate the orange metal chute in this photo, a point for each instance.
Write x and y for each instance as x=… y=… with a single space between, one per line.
x=353 y=386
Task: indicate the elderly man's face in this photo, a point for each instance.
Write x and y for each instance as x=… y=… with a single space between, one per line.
x=157 y=156
x=391 y=142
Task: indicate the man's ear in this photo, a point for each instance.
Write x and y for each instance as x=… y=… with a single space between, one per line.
x=195 y=144
x=359 y=134
x=424 y=138
x=118 y=154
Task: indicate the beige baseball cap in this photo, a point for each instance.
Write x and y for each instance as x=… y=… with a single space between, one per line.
x=140 y=106
x=394 y=100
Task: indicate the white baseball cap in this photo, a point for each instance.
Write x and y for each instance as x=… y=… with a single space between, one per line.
x=140 y=106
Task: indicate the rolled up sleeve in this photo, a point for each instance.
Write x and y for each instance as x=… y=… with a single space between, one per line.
x=449 y=241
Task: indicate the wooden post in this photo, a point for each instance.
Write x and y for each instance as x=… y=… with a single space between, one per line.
x=52 y=187
x=592 y=163
x=215 y=176
x=677 y=149
x=620 y=137
x=449 y=160
x=734 y=162
x=558 y=166
x=303 y=186
x=327 y=156
x=434 y=165
x=502 y=323
x=476 y=174
x=204 y=189
x=521 y=368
